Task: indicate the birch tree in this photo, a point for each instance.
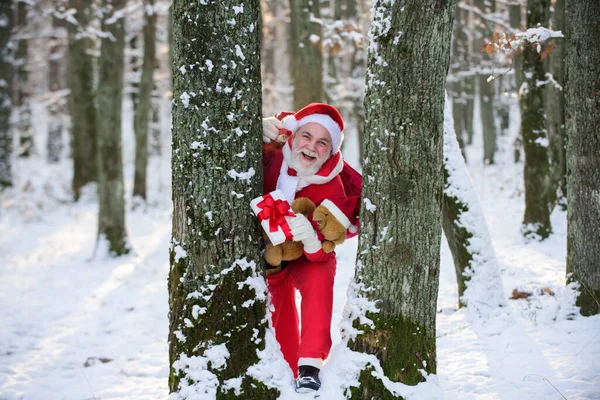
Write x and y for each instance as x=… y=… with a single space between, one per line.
x=142 y=110
x=538 y=197
x=217 y=295
x=399 y=245
x=111 y=193
x=80 y=80
x=582 y=103
x=5 y=98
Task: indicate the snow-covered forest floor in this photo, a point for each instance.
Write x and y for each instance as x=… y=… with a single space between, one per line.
x=75 y=326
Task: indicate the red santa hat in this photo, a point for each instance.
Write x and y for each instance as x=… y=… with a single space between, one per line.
x=343 y=211
x=323 y=114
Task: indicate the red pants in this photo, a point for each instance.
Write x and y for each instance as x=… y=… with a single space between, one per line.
x=314 y=280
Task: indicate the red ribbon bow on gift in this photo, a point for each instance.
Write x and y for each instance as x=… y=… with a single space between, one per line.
x=275 y=211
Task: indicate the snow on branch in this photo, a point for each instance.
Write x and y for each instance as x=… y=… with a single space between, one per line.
x=513 y=43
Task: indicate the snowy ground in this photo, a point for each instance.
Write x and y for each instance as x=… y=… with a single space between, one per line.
x=77 y=327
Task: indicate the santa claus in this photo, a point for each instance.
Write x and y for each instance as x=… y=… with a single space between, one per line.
x=302 y=158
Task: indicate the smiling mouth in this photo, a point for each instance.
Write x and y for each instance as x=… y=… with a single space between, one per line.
x=308 y=158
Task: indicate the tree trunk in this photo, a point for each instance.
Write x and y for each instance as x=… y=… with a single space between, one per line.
x=21 y=89
x=217 y=170
x=270 y=64
x=468 y=88
x=142 y=111
x=56 y=109
x=155 y=132
x=554 y=103
x=81 y=100
x=484 y=31
x=538 y=199
x=582 y=105
x=466 y=231
x=458 y=64
x=516 y=22
x=399 y=245
x=306 y=58
x=6 y=70
x=111 y=194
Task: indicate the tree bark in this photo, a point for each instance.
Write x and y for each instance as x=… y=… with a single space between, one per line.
x=582 y=105
x=20 y=88
x=142 y=111
x=516 y=22
x=484 y=31
x=111 y=193
x=399 y=245
x=538 y=197
x=554 y=103
x=56 y=109
x=306 y=58
x=458 y=64
x=81 y=100
x=6 y=69
x=217 y=169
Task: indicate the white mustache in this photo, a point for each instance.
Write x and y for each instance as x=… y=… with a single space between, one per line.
x=308 y=153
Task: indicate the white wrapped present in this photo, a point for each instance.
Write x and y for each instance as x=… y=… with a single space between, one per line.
x=274 y=214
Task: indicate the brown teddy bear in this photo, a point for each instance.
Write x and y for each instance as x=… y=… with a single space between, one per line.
x=331 y=229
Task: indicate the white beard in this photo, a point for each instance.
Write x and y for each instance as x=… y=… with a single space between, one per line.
x=296 y=164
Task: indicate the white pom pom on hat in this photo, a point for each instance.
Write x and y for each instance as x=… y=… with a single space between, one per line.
x=323 y=114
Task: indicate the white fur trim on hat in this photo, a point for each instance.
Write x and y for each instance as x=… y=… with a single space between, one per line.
x=339 y=215
x=291 y=123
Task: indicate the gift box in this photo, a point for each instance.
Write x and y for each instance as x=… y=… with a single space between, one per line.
x=274 y=214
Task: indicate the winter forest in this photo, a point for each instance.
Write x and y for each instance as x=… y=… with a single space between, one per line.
x=131 y=263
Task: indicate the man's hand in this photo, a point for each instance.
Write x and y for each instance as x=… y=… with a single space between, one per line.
x=303 y=231
x=271 y=127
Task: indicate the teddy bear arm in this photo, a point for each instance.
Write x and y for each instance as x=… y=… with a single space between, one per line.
x=273 y=254
x=291 y=250
x=327 y=246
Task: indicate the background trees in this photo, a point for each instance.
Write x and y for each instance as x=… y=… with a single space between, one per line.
x=5 y=96
x=81 y=99
x=111 y=190
x=306 y=61
x=538 y=196
x=143 y=106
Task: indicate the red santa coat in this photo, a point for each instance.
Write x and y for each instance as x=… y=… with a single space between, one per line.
x=312 y=274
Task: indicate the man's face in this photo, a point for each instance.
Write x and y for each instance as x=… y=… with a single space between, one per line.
x=311 y=147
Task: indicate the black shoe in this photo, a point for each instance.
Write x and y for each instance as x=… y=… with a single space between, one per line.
x=308 y=379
